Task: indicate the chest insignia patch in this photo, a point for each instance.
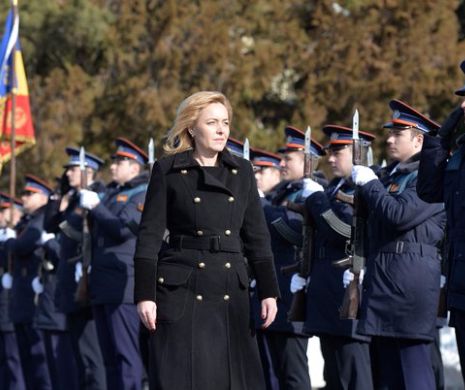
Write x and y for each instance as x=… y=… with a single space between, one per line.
x=122 y=198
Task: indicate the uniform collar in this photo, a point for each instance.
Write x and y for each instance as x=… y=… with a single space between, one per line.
x=185 y=160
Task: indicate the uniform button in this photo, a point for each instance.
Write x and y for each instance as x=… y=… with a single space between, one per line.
x=199 y=297
x=201 y=265
x=184 y=171
x=227 y=232
x=197 y=199
x=161 y=280
x=228 y=265
x=231 y=199
x=199 y=232
x=226 y=297
x=234 y=171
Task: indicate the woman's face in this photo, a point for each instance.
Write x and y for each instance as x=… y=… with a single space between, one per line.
x=211 y=130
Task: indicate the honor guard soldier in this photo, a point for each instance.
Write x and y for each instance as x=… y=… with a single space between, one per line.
x=441 y=178
x=401 y=287
x=26 y=254
x=115 y=219
x=11 y=373
x=285 y=342
x=345 y=352
x=267 y=168
x=64 y=217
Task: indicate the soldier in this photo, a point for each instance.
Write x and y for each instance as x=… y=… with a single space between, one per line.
x=401 y=287
x=11 y=374
x=267 y=168
x=25 y=251
x=64 y=217
x=114 y=220
x=345 y=352
x=441 y=178
x=284 y=342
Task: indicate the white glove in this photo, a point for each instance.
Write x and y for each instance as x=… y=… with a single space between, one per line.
x=261 y=193
x=88 y=199
x=442 y=283
x=253 y=283
x=37 y=286
x=298 y=283
x=7 y=281
x=45 y=237
x=310 y=187
x=349 y=276
x=6 y=234
x=78 y=271
x=362 y=175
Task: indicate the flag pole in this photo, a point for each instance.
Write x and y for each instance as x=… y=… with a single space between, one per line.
x=14 y=91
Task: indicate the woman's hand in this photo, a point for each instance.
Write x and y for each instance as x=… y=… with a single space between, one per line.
x=269 y=310
x=148 y=314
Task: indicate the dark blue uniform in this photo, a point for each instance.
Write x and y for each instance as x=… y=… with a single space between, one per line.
x=115 y=223
x=11 y=373
x=52 y=323
x=401 y=287
x=346 y=353
x=283 y=345
x=81 y=326
x=26 y=253
x=441 y=178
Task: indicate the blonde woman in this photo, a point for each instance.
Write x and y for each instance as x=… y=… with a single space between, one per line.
x=194 y=295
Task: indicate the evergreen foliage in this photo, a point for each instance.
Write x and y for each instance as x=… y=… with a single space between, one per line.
x=105 y=68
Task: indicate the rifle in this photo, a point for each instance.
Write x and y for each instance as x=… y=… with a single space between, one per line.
x=82 y=291
x=444 y=252
x=299 y=305
x=356 y=246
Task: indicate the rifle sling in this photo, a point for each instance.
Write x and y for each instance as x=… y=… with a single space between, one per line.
x=336 y=224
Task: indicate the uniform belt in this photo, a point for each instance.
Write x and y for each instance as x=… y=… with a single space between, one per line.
x=208 y=243
x=408 y=247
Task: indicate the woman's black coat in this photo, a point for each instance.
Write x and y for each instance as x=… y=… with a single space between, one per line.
x=204 y=337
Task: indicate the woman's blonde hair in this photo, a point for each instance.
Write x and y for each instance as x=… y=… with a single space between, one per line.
x=178 y=138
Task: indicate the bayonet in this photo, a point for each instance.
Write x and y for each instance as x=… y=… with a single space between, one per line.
x=151 y=152
x=246 y=149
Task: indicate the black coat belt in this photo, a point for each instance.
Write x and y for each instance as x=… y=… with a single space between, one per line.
x=214 y=243
x=408 y=247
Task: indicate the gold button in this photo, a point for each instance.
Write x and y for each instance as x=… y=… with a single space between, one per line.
x=199 y=232
x=234 y=171
x=226 y=297
x=184 y=171
x=231 y=199
x=199 y=297
x=228 y=265
x=227 y=232
x=161 y=280
x=197 y=199
x=201 y=265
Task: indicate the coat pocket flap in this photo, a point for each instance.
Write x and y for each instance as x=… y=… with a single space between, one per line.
x=243 y=277
x=173 y=274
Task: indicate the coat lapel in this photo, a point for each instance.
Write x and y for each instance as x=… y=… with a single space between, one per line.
x=185 y=161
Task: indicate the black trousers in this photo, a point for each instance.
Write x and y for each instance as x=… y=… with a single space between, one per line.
x=347 y=363
x=86 y=350
x=284 y=359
